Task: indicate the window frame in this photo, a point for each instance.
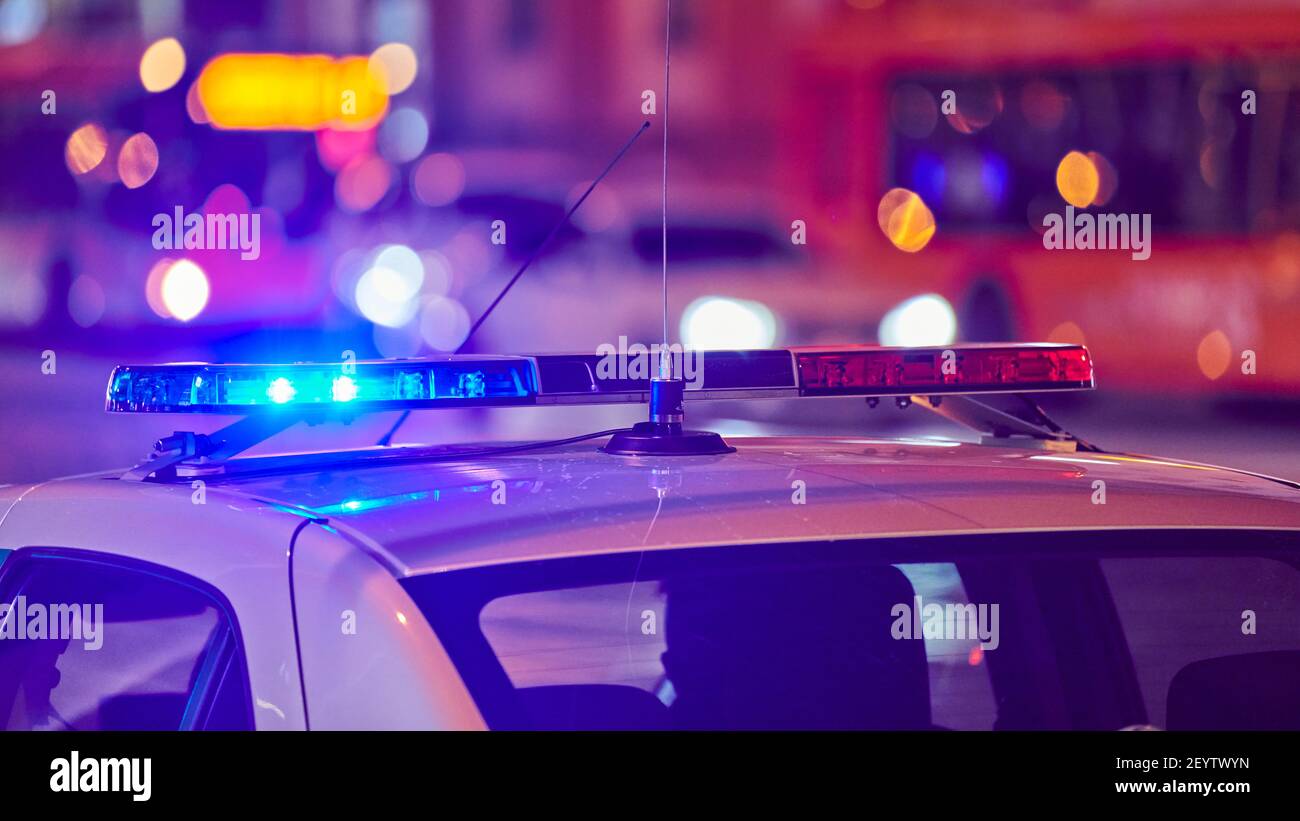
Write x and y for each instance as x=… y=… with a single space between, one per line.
x=224 y=654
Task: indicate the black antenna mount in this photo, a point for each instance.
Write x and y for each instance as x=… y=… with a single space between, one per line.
x=663 y=435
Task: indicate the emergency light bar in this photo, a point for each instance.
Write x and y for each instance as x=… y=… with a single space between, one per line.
x=562 y=379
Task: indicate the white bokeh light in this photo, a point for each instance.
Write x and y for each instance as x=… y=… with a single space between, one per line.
x=927 y=319
x=717 y=323
x=185 y=290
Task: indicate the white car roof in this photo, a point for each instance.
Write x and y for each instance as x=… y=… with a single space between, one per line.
x=434 y=516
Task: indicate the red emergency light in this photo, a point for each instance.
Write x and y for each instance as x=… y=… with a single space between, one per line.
x=875 y=371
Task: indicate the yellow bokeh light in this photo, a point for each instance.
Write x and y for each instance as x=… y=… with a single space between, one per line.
x=396 y=65
x=138 y=160
x=1214 y=354
x=905 y=220
x=1077 y=179
x=86 y=148
x=162 y=65
x=287 y=92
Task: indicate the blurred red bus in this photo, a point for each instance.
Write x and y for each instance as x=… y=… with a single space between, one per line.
x=1157 y=91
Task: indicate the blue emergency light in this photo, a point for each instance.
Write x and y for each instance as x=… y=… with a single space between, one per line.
x=360 y=386
x=486 y=381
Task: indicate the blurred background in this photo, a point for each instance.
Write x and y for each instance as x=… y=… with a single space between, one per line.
x=840 y=171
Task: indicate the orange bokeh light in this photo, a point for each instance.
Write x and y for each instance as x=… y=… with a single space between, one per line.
x=1214 y=354
x=288 y=92
x=86 y=148
x=1077 y=179
x=905 y=219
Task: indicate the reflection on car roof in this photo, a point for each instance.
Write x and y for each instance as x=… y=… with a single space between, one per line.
x=435 y=516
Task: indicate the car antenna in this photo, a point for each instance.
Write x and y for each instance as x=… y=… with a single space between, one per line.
x=663 y=434
x=388 y=437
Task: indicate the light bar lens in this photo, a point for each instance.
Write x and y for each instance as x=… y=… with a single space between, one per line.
x=461 y=381
x=969 y=369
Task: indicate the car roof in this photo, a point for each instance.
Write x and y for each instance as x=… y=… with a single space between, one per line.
x=427 y=517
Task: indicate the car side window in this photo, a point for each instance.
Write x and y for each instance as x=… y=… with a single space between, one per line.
x=1215 y=640
x=88 y=642
x=603 y=643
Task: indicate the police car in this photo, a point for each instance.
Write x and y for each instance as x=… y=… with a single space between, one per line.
x=650 y=578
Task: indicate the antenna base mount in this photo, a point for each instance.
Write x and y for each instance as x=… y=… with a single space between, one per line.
x=657 y=439
x=663 y=435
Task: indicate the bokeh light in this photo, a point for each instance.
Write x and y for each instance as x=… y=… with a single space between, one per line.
x=138 y=160
x=336 y=148
x=395 y=65
x=913 y=111
x=291 y=92
x=386 y=293
x=444 y=323
x=927 y=319
x=976 y=104
x=439 y=179
x=194 y=106
x=153 y=287
x=86 y=148
x=362 y=184
x=1282 y=275
x=600 y=212
x=905 y=219
x=1214 y=354
x=438 y=277
x=1077 y=179
x=1044 y=105
x=21 y=20
x=85 y=301
x=405 y=262
x=470 y=253
x=1067 y=333
x=227 y=198
x=1107 y=178
x=403 y=135
x=162 y=65
x=184 y=290
x=720 y=323
x=22 y=297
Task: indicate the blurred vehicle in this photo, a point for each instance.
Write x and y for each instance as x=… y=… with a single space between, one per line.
x=735 y=277
x=918 y=585
x=1186 y=112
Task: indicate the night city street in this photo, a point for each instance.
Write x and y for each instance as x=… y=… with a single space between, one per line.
x=652 y=367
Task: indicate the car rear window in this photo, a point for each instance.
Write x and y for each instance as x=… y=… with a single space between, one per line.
x=1017 y=631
